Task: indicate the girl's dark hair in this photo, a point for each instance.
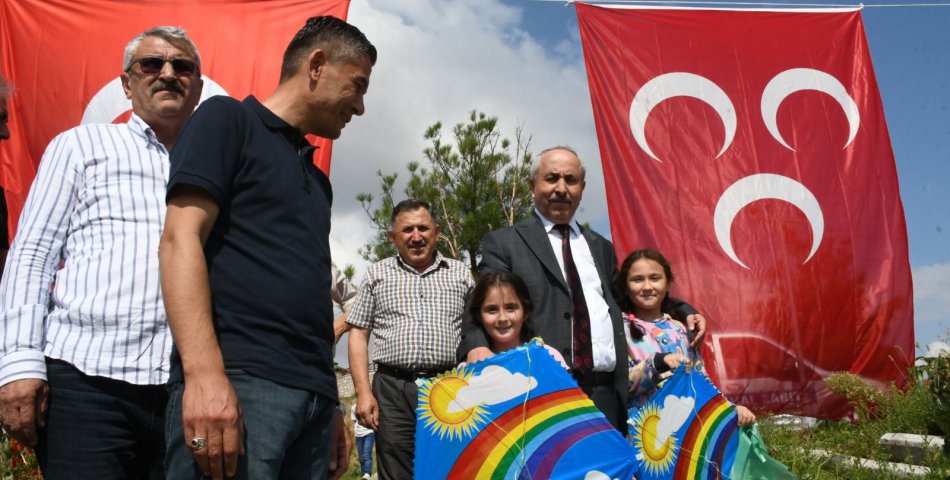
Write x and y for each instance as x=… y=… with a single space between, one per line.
x=501 y=279
x=620 y=284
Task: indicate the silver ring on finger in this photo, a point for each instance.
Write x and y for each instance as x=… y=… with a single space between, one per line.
x=198 y=443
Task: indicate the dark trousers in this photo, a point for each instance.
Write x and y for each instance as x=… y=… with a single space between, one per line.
x=286 y=431
x=396 y=434
x=607 y=399
x=100 y=428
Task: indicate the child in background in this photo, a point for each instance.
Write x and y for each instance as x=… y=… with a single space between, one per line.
x=657 y=343
x=365 y=438
x=502 y=307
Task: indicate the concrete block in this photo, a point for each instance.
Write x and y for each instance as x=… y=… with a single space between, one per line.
x=900 y=469
x=904 y=445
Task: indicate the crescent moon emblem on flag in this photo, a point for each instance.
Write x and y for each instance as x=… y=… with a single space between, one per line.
x=798 y=79
x=677 y=84
x=760 y=187
x=110 y=101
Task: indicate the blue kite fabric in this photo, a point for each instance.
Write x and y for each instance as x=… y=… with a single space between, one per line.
x=687 y=430
x=516 y=415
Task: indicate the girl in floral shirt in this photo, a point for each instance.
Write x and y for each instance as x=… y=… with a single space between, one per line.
x=656 y=342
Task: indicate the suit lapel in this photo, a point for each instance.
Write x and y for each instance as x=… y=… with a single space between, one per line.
x=536 y=238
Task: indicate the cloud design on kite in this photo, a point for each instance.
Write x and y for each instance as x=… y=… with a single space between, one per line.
x=494 y=385
x=674 y=413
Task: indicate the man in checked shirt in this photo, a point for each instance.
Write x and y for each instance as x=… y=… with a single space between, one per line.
x=413 y=302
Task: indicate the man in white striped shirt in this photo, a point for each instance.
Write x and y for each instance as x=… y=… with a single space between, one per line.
x=85 y=341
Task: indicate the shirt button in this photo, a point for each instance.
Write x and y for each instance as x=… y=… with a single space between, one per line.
x=567 y=314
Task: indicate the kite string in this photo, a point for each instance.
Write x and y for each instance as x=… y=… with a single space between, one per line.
x=524 y=420
x=700 y=458
x=520 y=445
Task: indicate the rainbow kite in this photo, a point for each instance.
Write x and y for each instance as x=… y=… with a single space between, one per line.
x=686 y=431
x=517 y=415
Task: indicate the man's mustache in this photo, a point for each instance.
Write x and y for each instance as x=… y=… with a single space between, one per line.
x=161 y=85
x=419 y=244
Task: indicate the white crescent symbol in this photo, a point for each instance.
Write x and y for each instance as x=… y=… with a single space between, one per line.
x=110 y=102
x=798 y=79
x=760 y=187
x=678 y=84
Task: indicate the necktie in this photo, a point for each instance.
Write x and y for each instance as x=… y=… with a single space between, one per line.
x=583 y=351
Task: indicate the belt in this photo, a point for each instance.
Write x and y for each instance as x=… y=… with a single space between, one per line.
x=406 y=374
x=593 y=378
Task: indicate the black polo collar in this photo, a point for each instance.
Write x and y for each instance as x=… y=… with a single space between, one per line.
x=273 y=122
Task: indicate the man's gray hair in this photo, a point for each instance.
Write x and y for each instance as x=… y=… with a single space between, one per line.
x=173 y=35
x=536 y=164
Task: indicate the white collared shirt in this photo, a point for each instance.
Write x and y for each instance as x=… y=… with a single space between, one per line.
x=90 y=230
x=601 y=329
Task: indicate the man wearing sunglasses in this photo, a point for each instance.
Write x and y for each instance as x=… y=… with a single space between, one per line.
x=85 y=350
x=245 y=263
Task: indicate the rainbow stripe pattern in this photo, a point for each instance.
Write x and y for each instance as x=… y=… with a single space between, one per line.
x=706 y=434
x=550 y=431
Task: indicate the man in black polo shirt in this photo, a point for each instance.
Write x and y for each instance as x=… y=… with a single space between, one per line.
x=245 y=246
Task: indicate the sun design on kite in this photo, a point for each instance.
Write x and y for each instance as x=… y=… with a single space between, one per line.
x=442 y=412
x=658 y=457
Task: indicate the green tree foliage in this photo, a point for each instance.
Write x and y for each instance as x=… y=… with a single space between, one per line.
x=475 y=184
x=349 y=271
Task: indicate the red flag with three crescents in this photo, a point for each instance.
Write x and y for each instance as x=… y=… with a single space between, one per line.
x=65 y=57
x=750 y=148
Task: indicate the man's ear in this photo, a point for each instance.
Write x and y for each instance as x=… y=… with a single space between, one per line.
x=315 y=63
x=198 y=85
x=125 y=84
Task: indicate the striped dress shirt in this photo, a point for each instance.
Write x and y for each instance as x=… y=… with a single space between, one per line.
x=81 y=282
x=415 y=317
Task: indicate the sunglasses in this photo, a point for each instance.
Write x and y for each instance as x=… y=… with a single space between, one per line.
x=154 y=65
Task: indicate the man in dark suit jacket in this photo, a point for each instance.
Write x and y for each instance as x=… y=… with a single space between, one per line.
x=533 y=249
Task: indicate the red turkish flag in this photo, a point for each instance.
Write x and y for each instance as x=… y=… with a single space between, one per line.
x=750 y=148
x=65 y=57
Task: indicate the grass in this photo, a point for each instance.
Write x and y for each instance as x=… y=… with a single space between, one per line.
x=914 y=410
x=16 y=462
